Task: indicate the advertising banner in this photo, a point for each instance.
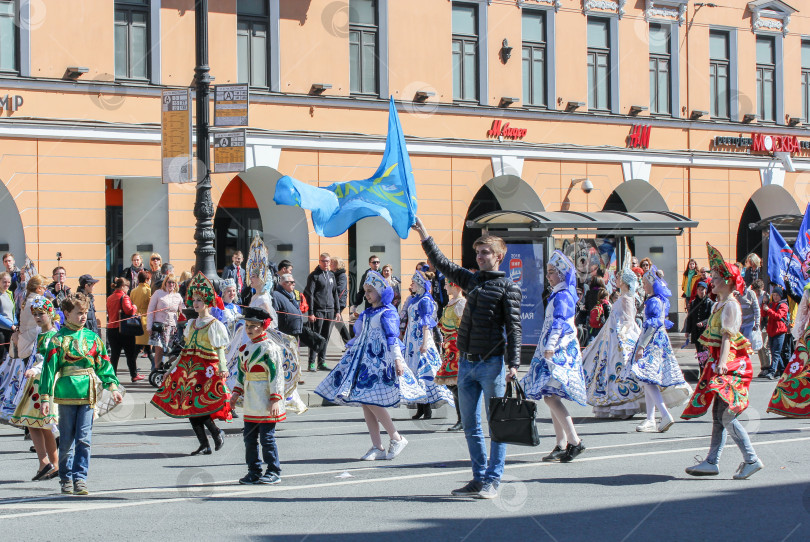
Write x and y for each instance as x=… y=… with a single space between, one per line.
x=525 y=265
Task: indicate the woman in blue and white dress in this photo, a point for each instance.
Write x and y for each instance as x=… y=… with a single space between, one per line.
x=556 y=370
x=372 y=372
x=612 y=392
x=653 y=362
x=421 y=354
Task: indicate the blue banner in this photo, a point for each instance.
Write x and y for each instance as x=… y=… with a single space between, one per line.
x=779 y=256
x=390 y=193
x=799 y=269
x=524 y=264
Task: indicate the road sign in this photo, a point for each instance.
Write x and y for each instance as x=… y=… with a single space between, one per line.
x=175 y=136
x=231 y=105
x=229 y=151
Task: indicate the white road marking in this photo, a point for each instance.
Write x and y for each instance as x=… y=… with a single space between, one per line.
x=76 y=504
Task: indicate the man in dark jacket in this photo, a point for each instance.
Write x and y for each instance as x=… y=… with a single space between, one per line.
x=489 y=338
x=699 y=312
x=290 y=320
x=360 y=295
x=86 y=284
x=235 y=271
x=322 y=295
x=58 y=289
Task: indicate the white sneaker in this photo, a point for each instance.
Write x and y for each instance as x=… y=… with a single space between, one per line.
x=396 y=447
x=373 y=454
x=647 y=426
x=666 y=423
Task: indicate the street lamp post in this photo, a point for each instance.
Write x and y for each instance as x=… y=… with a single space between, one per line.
x=203 y=206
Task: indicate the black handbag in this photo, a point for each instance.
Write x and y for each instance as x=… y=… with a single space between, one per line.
x=157 y=327
x=512 y=420
x=129 y=325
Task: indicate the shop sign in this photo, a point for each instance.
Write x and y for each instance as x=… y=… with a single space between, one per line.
x=11 y=103
x=759 y=142
x=504 y=131
x=639 y=137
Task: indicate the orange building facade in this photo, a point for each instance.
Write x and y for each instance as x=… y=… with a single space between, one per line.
x=504 y=105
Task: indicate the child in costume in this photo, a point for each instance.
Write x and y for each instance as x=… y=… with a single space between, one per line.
x=556 y=370
x=80 y=358
x=653 y=362
x=261 y=382
x=421 y=355
x=28 y=413
x=611 y=390
x=195 y=387
x=727 y=375
x=372 y=372
x=791 y=398
x=448 y=324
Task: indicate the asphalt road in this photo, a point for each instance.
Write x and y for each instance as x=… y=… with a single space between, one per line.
x=626 y=486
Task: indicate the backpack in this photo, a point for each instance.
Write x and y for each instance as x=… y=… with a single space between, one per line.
x=597 y=318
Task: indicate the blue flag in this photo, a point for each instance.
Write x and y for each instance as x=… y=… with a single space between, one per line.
x=800 y=263
x=389 y=193
x=779 y=257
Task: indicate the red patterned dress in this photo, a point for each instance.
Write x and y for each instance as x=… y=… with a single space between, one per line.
x=193 y=387
x=448 y=325
x=731 y=387
x=791 y=398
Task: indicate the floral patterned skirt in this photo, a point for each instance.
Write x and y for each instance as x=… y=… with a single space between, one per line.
x=193 y=388
x=448 y=372
x=731 y=387
x=791 y=398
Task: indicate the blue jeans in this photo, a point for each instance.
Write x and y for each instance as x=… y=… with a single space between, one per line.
x=724 y=422
x=747 y=330
x=75 y=432
x=777 y=363
x=476 y=381
x=255 y=434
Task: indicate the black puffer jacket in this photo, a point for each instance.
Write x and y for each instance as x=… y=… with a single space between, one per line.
x=490 y=325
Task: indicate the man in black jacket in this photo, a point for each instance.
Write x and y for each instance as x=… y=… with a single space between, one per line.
x=360 y=295
x=489 y=338
x=322 y=295
x=699 y=312
x=290 y=320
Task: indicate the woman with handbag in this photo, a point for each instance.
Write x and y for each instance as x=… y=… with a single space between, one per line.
x=119 y=308
x=161 y=317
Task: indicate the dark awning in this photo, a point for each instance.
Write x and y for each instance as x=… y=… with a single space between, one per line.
x=600 y=222
x=780 y=221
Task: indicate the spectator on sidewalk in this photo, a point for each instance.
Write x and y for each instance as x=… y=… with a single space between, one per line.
x=140 y=296
x=749 y=304
x=235 y=271
x=701 y=310
x=706 y=279
x=131 y=272
x=119 y=304
x=338 y=268
x=290 y=319
x=86 y=285
x=359 y=296
x=752 y=269
x=396 y=285
x=489 y=339
x=764 y=353
x=286 y=267
x=12 y=270
x=165 y=270
x=8 y=319
x=777 y=313
x=155 y=261
x=58 y=289
x=322 y=294
x=161 y=318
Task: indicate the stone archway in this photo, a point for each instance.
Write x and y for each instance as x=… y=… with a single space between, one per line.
x=768 y=201
x=12 y=232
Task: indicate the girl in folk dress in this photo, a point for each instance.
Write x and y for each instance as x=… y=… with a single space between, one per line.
x=372 y=372
x=654 y=363
x=421 y=354
x=556 y=369
x=28 y=413
x=195 y=387
x=727 y=375
x=611 y=390
x=448 y=324
x=791 y=398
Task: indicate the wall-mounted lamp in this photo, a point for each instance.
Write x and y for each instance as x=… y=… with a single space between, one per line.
x=697 y=113
x=506 y=50
x=423 y=95
x=506 y=101
x=74 y=72
x=318 y=88
x=794 y=121
x=749 y=118
x=636 y=109
x=573 y=106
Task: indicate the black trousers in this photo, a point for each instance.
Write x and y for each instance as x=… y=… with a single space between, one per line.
x=322 y=326
x=126 y=343
x=5 y=339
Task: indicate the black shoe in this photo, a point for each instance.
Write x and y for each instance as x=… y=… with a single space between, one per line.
x=457 y=427
x=44 y=471
x=250 y=479
x=571 y=452
x=770 y=376
x=216 y=433
x=763 y=373
x=32 y=449
x=204 y=448
x=555 y=455
x=323 y=367
x=428 y=412
x=420 y=411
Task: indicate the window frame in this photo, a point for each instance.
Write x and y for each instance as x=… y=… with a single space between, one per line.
x=596 y=53
x=16 y=16
x=761 y=70
x=715 y=63
x=658 y=58
x=366 y=29
x=547 y=49
x=805 y=85
x=130 y=8
x=466 y=39
x=251 y=20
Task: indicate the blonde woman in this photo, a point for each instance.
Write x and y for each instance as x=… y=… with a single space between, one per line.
x=161 y=318
x=753 y=271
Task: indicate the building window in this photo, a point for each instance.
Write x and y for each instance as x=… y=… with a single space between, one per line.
x=766 y=79
x=598 y=64
x=719 y=80
x=806 y=82
x=9 y=37
x=465 y=53
x=252 y=25
x=660 y=70
x=132 y=39
x=363 y=53
x=534 y=58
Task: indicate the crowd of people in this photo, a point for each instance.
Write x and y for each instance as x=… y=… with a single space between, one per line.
x=455 y=340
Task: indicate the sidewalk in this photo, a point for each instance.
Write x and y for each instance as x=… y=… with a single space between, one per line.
x=136 y=405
